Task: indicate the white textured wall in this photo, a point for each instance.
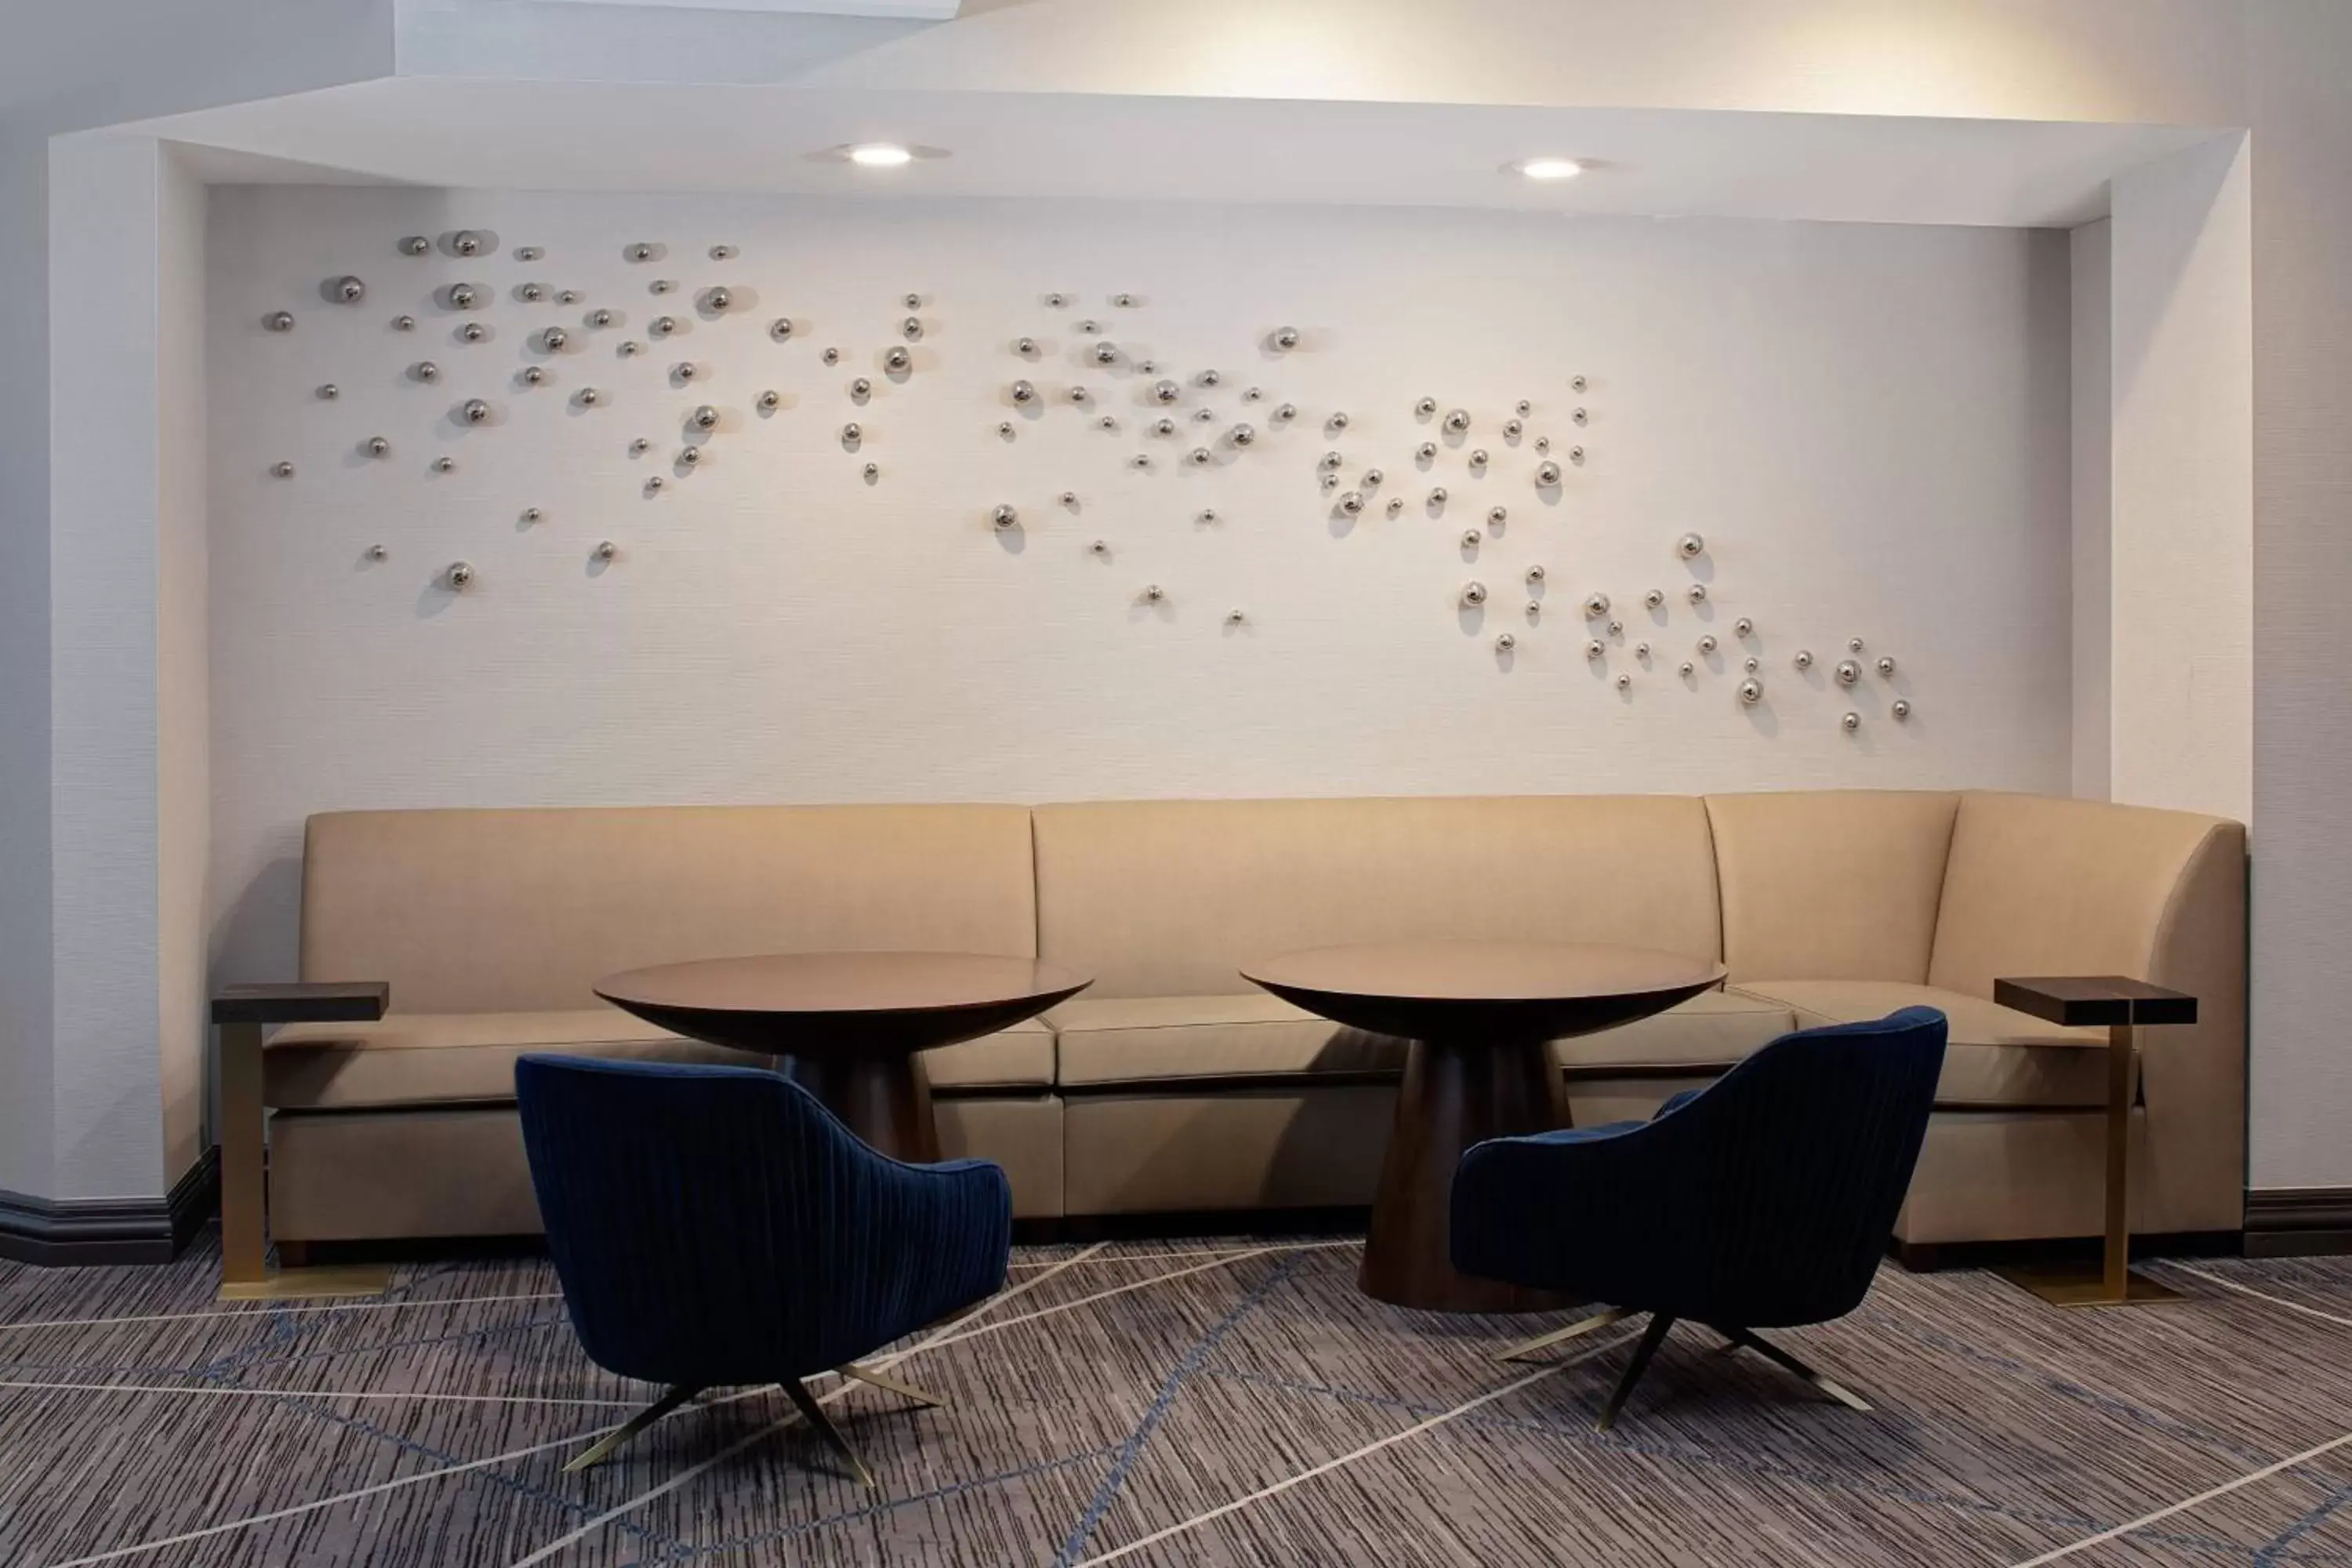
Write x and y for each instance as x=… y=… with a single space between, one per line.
x=183 y=694
x=105 y=736
x=2301 y=1096
x=2181 y=555
x=2089 y=249
x=1868 y=423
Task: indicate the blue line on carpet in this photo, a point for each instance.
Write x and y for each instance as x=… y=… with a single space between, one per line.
x=1589 y=1437
x=2138 y=1415
x=2275 y=1551
x=1193 y=1362
x=687 y=1551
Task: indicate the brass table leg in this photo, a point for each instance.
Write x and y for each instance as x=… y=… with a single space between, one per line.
x=2111 y=1282
x=245 y=1274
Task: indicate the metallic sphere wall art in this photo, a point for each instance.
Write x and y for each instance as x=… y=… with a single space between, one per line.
x=496 y=328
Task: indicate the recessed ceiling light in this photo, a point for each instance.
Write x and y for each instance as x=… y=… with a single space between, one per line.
x=1546 y=168
x=880 y=155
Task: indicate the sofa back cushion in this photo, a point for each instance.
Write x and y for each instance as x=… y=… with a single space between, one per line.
x=478 y=911
x=1831 y=884
x=1171 y=898
x=2044 y=886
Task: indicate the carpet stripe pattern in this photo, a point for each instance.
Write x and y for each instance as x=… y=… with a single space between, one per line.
x=1187 y=1402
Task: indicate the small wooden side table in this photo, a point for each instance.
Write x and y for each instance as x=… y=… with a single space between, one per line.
x=241 y=1013
x=2122 y=1006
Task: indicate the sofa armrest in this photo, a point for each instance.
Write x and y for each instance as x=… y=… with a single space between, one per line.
x=317 y=1001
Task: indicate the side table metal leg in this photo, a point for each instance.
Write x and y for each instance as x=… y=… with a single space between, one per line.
x=245 y=1274
x=244 y=1242
x=2111 y=1283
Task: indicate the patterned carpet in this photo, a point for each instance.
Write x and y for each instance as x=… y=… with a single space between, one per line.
x=1179 y=1404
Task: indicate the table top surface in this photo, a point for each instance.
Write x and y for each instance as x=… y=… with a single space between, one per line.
x=842 y=982
x=2094 y=999
x=1483 y=972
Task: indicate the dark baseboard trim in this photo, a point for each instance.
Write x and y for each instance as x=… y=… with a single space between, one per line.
x=84 y=1232
x=2298 y=1222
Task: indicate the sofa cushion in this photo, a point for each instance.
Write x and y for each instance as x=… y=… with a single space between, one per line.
x=1150 y=1039
x=1996 y=1056
x=1831 y=884
x=411 y=1058
x=1173 y=1040
x=1711 y=1032
x=522 y=910
x=1172 y=898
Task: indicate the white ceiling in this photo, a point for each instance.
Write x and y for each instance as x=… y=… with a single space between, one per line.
x=559 y=135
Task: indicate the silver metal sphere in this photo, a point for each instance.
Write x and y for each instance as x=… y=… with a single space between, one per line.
x=706 y=417
x=330 y=392
x=1199 y=457
x=463 y=296
x=1596 y=606
x=606 y=550
x=1535 y=574
x=1473 y=592
x=554 y=338
x=1285 y=338
x=1751 y=691
x=415 y=245
x=661 y=326
x=475 y=411
x=468 y=243
x=425 y=369
x=861 y=388
x=590 y=397
x=1471 y=539
x=1706 y=644
x=1479 y=458
x=1352 y=503
x=1695 y=592
x=1458 y=421
x=444 y=465
x=279 y=321
x=473 y=331
x=282 y=470
x=1654 y=597
x=377 y=447
x=1804 y=660
x=1497 y=516
x=349 y=289
x=1242 y=436
x=1901 y=710
x=1005 y=517
x=1691 y=546
x=1743 y=626
x=1424 y=408
x=1594 y=648
x=459 y=573
x=718 y=299
x=898 y=359
x=1848 y=672
x=1886 y=665
x=1546 y=474
x=531 y=293
x=1106 y=353
x=689 y=456
x=781 y=328
x=1506 y=643
x=1852 y=722
x=1437 y=496
x=852 y=433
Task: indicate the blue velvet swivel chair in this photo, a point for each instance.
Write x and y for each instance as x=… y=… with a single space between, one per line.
x=1762 y=1201
x=715 y=1226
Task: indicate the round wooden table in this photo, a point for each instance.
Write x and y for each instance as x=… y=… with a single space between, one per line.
x=850 y=1023
x=1482 y=1017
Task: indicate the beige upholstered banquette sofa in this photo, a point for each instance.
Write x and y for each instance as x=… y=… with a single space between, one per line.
x=1173 y=1085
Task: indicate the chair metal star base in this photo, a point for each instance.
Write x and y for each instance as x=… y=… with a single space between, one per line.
x=810 y=1410
x=1656 y=1335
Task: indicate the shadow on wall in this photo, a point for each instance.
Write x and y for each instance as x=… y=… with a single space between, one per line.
x=254 y=937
